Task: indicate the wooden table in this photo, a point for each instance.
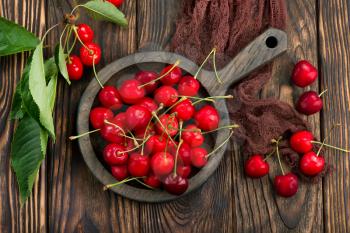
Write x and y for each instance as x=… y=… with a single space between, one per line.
x=67 y=198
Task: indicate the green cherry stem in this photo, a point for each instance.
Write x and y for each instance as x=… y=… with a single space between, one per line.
x=82 y=135
x=77 y=36
x=269 y=155
x=221 y=145
x=234 y=126
x=106 y=187
x=147 y=186
x=154 y=114
x=324 y=140
x=172 y=106
x=330 y=146
x=178 y=147
x=95 y=73
x=212 y=52
x=321 y=94
x=135 y=148
x=278 y=153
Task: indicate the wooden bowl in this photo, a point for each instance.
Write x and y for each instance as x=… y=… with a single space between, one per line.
x=262 y=50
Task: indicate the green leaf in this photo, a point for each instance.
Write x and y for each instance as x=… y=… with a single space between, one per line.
x=60 y=59
x=52 y=87
x=16 y=110
x=27 y=152
x=38 y=90
x=103 y=10
x=15 y=38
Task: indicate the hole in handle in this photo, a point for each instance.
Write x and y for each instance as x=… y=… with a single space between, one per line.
x=271 y=42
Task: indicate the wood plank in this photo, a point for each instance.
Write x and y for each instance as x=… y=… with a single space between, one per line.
x=32 y=216
x=334 y=42
x=77 y=202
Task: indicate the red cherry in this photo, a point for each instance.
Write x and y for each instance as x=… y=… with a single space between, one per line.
x=131 y=92
x=111 y=155
x=171 y=146
x=75 y=68
x=154 y=144
x=175 y=184
x=170 y=124
x=109 y=97
x=98 y=116
x=301 y=141
x=140 y=133
x=138 y=165
x=166 y=95
x=304 y=74
x=184 y=110
x=286 y=185
x=152 y=180
x=207 y=118
x=146 y=77
x=137 y=117
x=128 y=144
x=120 y=172
x=199 y=157
x=148 y=103
x=112 y=134
x=311 y=164
x=256 y=167
x=85 y=33
x=90 y=55
x=309 y=103
x=117 y=3
x=188 y=86
x=183 y=171
x=185 y=154
x=120 y=119
x=193 y=136
x=173 y=77
x=162 y=163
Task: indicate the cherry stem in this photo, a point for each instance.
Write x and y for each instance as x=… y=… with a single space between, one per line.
x=324 y=140
x=221 y=145
x=213 y=51
x=210 y=98
x=62 y=34
x=269 y=155
x=81 y=42
x=106 y=187
x=322 y=93
x=222 y=127
x=161 y=124
x=162 y=76
x=72 y=47
x=95 y=73
x=136 y=147
x=82 y=135
x=172 y=106
x=278 y=152
x=178 y=148
x=47 y=32
x=330 y=146
x=150 y=187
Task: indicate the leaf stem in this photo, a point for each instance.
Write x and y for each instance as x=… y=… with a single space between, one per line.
x=234 y=126
x=75 y=8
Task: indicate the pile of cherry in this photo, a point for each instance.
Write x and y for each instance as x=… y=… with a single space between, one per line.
x=311 y=163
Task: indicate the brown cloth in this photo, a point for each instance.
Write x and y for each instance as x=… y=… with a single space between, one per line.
x=229 y=25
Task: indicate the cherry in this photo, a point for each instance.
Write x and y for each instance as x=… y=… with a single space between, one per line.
x=154 y=144
x=131 y=92
x=286 y=185
x=85 y=33
x=188 y=86
x=301 y=141
x=304 y=74
x=152 y=180
x=207 y=118
x=162 y=163
x=110 y=98
x=120 y=119
x=184 y=110
x=117 y=3
x=309 y=103
x=199 y=157
x=256 y=167
x=170 y=124
x=148 y=103
x=183 y=171
x=98 y=116
x=175 y=184
x=193 y=136
x=138 y=165
x=128 y=143
x=146 y=77
x=185 y=154
x=311 y=164
x=166 y=95
x=75 y=68
x=171 y=147
x=120 y=172
x=90 y=54
x=112 y=133
x=141 y=133
x=111 y=155
x=173 y=77
x=137 y=117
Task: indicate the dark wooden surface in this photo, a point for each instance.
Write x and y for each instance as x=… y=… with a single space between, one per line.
x=67 y=197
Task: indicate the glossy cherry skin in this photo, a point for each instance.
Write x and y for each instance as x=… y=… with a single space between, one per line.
x=152 y=180
x=166 y=95
x=109 y=97
x=141 y=133
x=128 y=144
x=192 y=136
x=120 y=119
x=90 y=55
x=131 y=92
x=138 y=165
x=112 y=134
x=184 y=155
x=184 y=110
x=304 y=74
x=98 y=116
x=146 y=77
x=301 y=141
x=286 y=185
x=112 y=157
x=116 y=3
x=169 y=123
x=183 y=171
x=207 y=118
x=173 y=77
x=75 y=68
x=154 y=144
x=85 y=33
x=120 y=172
x=137 y=117
x=162 y=163
x=188 y=86
x=311 y=164
x=199 y=157
x=256 y=167
x=309 y=103
x=175 y=184
x=148 y=103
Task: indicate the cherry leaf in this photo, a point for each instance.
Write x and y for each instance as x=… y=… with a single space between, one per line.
x=60 y=59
